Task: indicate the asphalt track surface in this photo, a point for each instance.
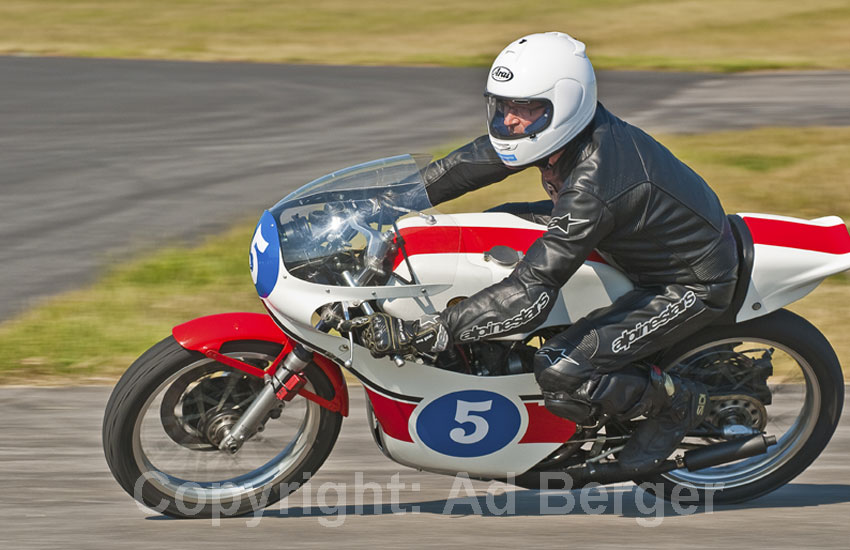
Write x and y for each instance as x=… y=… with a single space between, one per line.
x=58 y=494
x=101 y=160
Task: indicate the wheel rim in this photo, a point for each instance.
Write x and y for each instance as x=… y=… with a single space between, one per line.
x=791 y=417
x=200 y=477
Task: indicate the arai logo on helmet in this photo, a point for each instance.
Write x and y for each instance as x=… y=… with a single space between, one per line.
x=502 y=74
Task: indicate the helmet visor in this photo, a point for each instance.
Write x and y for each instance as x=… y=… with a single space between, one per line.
x=513 y=118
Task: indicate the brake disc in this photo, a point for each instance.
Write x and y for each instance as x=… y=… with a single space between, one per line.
x=201 y=406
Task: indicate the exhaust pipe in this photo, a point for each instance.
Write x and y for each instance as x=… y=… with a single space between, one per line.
x=697 y=459
x=728 y=451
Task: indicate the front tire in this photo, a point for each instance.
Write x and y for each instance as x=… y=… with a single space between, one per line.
x=159 y=433
x=811 y=373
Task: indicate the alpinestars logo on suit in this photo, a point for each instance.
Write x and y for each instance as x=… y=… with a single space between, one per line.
x=565 y=222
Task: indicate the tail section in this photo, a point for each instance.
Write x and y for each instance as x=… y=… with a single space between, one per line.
x=791 y=257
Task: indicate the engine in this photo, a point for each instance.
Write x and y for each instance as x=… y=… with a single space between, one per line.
x=488 y=358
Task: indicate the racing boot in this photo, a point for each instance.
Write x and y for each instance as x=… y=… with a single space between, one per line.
x=672 y=407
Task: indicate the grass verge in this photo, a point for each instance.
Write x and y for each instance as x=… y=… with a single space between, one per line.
x=92 y=335
x=722 y=35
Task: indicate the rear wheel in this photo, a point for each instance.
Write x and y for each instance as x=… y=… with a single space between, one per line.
x=173 y=406
x=775 y=373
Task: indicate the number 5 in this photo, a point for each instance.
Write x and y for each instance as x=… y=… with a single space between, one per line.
x=462 y=416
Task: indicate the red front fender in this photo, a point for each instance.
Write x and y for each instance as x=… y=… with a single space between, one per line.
x=208 y=334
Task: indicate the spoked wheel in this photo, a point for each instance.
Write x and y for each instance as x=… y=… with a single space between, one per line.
x=171 y=409
x=775 y=374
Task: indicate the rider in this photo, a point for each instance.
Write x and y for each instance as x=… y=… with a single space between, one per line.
x=614 y=189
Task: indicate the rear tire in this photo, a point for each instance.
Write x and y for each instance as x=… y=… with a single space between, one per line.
x=799 y=446
x=151 y=375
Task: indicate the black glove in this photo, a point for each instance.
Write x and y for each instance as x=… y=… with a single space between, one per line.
x=387 y=335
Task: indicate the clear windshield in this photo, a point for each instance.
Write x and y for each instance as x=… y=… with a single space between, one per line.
x=343 y=222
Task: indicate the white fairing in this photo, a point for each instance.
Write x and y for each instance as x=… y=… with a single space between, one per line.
x=791 y=257
x=486 y=426
x=420 y=387
x=447 y=422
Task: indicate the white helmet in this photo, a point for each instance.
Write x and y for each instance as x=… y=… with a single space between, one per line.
x=541 y=93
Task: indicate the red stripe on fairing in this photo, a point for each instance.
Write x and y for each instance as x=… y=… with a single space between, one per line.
x=392 y=415
x=469 y=240
x=817 y=238
x=595 y=257
x=545 y=427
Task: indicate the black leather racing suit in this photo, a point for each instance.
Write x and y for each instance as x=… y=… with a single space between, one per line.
x=619 y=191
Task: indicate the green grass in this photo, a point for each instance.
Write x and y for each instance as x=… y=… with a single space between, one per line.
x=92 y=334
x=718 y=35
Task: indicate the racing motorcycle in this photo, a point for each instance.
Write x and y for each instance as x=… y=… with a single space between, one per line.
x=234 y=407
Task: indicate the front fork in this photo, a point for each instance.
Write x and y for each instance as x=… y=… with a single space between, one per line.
x=283 y=385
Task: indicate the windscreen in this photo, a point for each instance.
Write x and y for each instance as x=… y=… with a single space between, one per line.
x=343 y=222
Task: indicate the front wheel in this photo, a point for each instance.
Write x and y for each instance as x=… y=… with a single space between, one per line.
x=172 y=407
x=777 y=374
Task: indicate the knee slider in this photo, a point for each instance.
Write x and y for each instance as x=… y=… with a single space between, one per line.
x=556 y=370
x=625 y=394
x=566 y=406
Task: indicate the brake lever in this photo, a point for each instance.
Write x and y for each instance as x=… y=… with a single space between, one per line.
x=367 y=309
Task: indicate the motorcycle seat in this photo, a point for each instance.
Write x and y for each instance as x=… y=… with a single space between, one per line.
x=744 y=242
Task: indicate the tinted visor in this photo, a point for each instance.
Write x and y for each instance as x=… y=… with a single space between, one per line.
x=517 y=118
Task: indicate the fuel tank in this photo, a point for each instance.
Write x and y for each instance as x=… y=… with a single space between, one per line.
x=472 y=251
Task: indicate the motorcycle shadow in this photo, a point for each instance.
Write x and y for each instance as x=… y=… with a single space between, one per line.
x=623 y=501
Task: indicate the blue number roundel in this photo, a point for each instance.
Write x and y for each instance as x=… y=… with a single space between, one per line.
x=468 y=423
x=264 y=256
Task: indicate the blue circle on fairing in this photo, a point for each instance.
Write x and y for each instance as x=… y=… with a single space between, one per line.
x=468 y=423
x=264 y=258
